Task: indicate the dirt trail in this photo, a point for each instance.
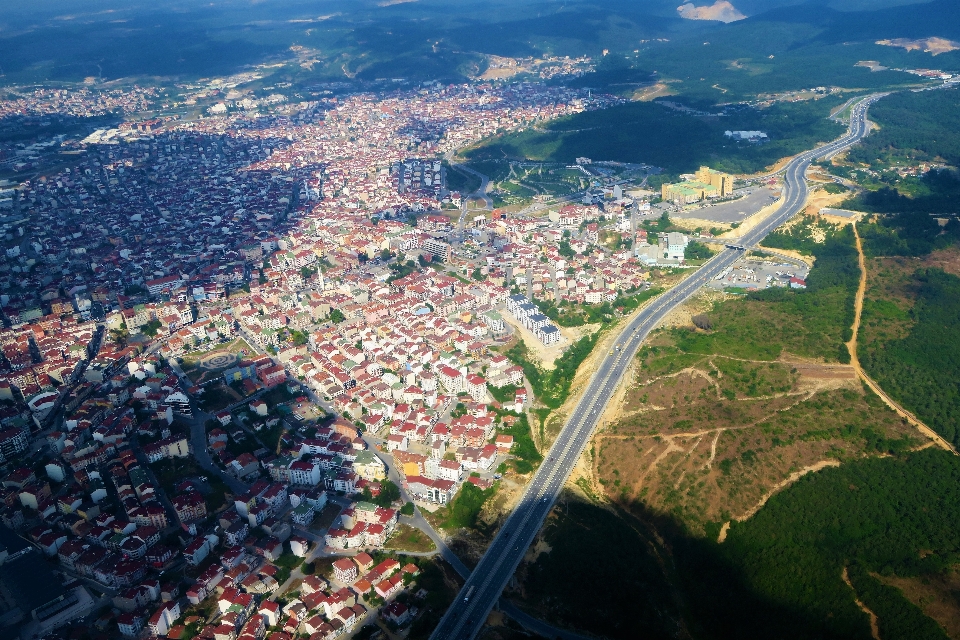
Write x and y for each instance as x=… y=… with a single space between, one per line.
x=855 y=362
x=793 y=477
x=874 y=627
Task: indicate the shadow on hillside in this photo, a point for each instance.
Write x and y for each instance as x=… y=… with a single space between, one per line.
x=639 y=574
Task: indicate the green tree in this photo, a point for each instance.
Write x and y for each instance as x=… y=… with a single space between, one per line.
x=697 y=251
x=151 y=328
x=120 y=336
x=664 y=223
x=336 y=316
x=389 y=493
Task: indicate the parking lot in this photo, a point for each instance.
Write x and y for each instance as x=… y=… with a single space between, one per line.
x=754 y=199
x=751 y=274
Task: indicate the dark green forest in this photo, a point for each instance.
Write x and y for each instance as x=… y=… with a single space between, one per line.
x=612 y=561
x=880 y=515
x=777 y=575
x=653 y=133
x=921 y=370
x=914 y=127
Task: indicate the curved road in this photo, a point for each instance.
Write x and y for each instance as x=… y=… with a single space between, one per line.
x=469 y=611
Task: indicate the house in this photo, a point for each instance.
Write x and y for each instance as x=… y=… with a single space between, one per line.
x=130 y=624
x=397 y=613
x=163 y=618
x=369 y=466
x=299 y=546
x=196 y=551
x=397 y=441
x=345 y=571
x=236 y=533
x=270 y=611
x=364 y=561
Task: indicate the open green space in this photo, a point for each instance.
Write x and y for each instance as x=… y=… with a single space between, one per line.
x=407 y=538
x=217 y=396
x=464 y=510
x=814 y=322
x=553 y=386
x=201 y=366
x=525 y=454
x=286 y=563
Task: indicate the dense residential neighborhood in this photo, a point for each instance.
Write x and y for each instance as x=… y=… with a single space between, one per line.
x=242 y=345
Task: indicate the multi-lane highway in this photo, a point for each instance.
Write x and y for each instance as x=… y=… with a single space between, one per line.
x=468 y=612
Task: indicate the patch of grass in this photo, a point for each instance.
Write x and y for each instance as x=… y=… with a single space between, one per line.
x=814 y=322
x=463 y=511
x=552 y=387
x=172 y=471
x=216 y=397
x=407 y=538
x=526 y=455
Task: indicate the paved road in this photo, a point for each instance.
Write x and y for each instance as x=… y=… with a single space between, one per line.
x=482 y=589
x=536 y=625
x=198 y=439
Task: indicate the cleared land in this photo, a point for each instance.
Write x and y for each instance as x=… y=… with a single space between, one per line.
x=708 y=437
x=407 y=538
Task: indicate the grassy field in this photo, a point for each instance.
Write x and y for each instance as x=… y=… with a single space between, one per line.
x=217 y=396
x=407 y=538
x=463 y=512
x=706 y=437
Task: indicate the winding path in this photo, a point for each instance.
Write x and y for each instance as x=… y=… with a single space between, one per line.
x=852 y=348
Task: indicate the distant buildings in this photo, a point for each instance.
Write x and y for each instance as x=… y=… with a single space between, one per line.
x=749 y=136
x=438 y=249
x=528 y=314
x=705 y=184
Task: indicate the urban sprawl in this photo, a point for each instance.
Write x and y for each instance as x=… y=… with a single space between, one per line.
x=227 y=340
